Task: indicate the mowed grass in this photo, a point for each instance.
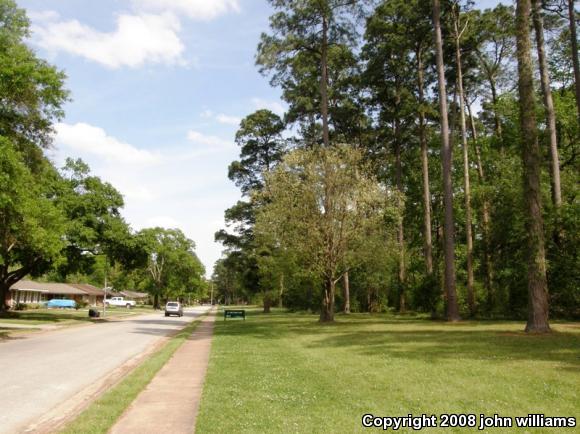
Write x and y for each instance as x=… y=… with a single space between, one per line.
x=286 y=373
x=60 y=316
x=43 y=316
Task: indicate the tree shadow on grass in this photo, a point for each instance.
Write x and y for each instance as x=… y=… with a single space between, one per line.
x=454 y=344
x=7 y=335
x=414 y=339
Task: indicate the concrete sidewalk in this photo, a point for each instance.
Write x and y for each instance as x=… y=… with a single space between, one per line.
x=171 y=401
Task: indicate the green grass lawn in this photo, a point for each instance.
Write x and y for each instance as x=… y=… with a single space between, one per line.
x=285 y=373
x=59 y=316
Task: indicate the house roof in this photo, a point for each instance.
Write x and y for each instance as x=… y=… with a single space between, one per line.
x=28 y=285
x=135 y=294
x=47 y=287
x=72 y=289
x=89 y=289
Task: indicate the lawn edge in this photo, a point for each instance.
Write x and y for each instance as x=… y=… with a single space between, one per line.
x=65 y=325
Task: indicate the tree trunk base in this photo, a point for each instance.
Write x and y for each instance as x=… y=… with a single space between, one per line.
x=537 y=329
x=326 y=315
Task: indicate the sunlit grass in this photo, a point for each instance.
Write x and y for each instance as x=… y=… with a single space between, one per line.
x=60 y=316
x=287 y=373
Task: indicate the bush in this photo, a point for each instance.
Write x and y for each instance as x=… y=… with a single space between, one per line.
x=29 y=306
x=82 y=304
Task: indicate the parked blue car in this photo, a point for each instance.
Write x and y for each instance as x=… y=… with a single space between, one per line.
x=62 y=303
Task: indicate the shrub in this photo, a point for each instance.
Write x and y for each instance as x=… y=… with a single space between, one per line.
x=82 y=304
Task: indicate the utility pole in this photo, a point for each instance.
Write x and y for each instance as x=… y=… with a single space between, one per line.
x=105 y=299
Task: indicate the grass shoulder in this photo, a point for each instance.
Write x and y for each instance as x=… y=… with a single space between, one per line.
x=61 y=316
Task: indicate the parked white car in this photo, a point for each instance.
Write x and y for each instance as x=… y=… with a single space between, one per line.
x=120 y=301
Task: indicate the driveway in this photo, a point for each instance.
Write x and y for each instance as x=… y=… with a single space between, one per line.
x=42 y=371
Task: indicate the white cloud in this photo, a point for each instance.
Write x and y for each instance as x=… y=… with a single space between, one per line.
x=168 y=187
x=203 y=10
x=138 y=39
x=42 y=15
x=274 y=106
x=203 y=139
x=221 y=118
x=85 y=138
x=229 y=120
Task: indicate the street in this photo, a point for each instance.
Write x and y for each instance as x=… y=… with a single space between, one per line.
x=42 y=371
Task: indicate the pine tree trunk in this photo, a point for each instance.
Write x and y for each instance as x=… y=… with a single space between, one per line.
x=466 y=184
x=427 y=237
x=324 y=83
x=346 y=293
x=496 y=119
x=487 y=263
x=548 y=103
x=446 y=156
x=327 y=310
x=574 y=43
x=282 y=288
x=400 y=227
x=537 y=284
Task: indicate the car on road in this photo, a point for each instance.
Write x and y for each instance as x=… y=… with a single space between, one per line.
x=119 y=301
x=173 y=308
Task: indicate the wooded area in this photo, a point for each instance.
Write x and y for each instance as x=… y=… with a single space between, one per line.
x=428 y=161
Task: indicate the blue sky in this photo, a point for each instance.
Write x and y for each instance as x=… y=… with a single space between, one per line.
x=158 y=88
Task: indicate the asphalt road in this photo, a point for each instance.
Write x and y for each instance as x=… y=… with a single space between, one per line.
x=39 y=372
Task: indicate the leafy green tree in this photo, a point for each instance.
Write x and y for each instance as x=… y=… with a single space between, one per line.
x=31 y=223
x=173 y=269
x=322 y=205
x=94 y=222
x=32 y=94
x=225 y=278
x=495 y=29
x=32 y=91
x=303 y=35
x=262 y=147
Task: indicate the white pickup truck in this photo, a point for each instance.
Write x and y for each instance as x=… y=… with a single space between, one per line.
x=119 y=301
